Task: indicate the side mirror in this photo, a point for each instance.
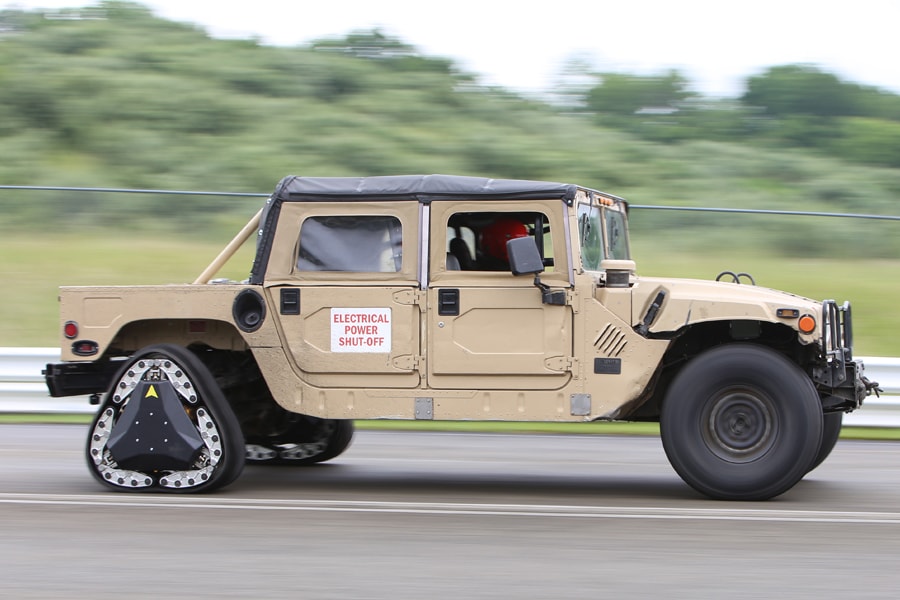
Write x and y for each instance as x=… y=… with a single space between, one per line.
x=524 y=256
x=525 y=259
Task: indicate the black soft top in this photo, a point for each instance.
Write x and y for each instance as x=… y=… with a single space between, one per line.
x=420 y=188
x=423 y=188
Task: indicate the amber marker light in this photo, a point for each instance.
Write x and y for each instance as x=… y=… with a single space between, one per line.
x=807 y=324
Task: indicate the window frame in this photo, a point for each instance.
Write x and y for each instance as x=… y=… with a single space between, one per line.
x=555 y=216
x=282 y=266
x=333 y=235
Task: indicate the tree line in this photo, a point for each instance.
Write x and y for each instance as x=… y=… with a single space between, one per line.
x=111 y=95
x=789 y=105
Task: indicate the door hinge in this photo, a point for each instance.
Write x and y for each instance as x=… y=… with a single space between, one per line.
x=572 y=300
x=561 y=363
x=407 y=362
x=410 y=298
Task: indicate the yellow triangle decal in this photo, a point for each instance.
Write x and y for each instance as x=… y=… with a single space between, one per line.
x=151 y=393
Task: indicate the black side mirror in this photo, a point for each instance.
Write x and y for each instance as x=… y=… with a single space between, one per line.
x=524 y=256
x=525 y=259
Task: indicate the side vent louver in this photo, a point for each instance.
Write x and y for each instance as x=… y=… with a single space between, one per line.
x=611 y=341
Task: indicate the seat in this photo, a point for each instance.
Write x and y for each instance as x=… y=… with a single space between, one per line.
x=452 y=262
x=460 y=250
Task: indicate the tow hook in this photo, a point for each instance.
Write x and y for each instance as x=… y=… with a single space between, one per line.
x=872 y=387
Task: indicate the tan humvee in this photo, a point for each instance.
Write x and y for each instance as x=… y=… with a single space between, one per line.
x=451 y=298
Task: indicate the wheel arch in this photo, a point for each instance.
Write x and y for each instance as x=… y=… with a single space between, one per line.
x=221 y=348
x=693 y=340
x=213 y=333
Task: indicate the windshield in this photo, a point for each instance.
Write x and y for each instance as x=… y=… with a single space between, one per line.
x=616 y=234
x=602 y=234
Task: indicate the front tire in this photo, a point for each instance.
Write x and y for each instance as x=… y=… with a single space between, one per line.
x=830 y=434
x=741 y=422
x=165 y=426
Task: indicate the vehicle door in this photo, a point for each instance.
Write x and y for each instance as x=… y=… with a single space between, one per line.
x=488 y=329
x=344 y=282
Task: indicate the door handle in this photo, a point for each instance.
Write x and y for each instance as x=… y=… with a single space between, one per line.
x=448 y=302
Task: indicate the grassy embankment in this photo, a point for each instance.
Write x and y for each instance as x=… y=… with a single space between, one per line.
x=860 y=433
x=38 y=266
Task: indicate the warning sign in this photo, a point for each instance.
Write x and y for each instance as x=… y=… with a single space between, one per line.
x=360 y=329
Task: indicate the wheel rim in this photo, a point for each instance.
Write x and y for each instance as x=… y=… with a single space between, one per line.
x=159 y=370
x=739 y=425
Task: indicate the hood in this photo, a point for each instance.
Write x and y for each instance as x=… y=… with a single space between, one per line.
x=690 y=301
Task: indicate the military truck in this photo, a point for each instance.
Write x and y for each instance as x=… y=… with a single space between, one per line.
x=438 y=297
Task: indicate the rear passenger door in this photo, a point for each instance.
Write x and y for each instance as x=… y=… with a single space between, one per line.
x=488 y=329
x=347 y=297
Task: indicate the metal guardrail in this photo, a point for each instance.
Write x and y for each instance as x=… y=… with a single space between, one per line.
x=22 y=388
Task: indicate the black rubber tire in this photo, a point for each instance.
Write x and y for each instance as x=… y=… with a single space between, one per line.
x=741 y=422
x=218 y=416
x=830 y=433
x=329 y=438
x=339 y=441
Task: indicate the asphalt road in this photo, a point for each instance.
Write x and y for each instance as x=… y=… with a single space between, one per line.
x=440 y=515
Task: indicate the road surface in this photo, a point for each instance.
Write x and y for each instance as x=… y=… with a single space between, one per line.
x=448 y=515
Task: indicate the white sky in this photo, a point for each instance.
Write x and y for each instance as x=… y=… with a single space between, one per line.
x=523 y=45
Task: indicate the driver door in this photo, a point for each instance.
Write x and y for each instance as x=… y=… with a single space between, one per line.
x=485 y=328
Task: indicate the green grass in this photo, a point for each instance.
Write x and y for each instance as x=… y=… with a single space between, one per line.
x=43 y=418
x=36 y=265
x=872 y=286
x=596 y=428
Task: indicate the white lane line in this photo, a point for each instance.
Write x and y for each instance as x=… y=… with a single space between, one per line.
x=464 y=509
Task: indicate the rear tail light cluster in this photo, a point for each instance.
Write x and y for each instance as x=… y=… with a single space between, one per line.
x=79 y=347
x=85 y=348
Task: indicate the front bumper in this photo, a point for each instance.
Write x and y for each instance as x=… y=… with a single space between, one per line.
x=839 y=378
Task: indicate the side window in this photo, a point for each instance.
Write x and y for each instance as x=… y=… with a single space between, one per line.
x=616 y=237
x=477 y=240
x=603 y=233
x=369 y=243
x=590 y=234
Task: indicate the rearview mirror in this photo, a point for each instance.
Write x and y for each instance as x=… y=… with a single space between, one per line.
x=524 y=256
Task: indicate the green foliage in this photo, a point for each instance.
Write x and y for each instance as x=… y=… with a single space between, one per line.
x=786 y=106
x=150 y=253
x=620 y=94
x=802 y=90
x=866 y=140
x=113 y=96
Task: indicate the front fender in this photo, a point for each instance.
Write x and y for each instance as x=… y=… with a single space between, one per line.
x=689 y=301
